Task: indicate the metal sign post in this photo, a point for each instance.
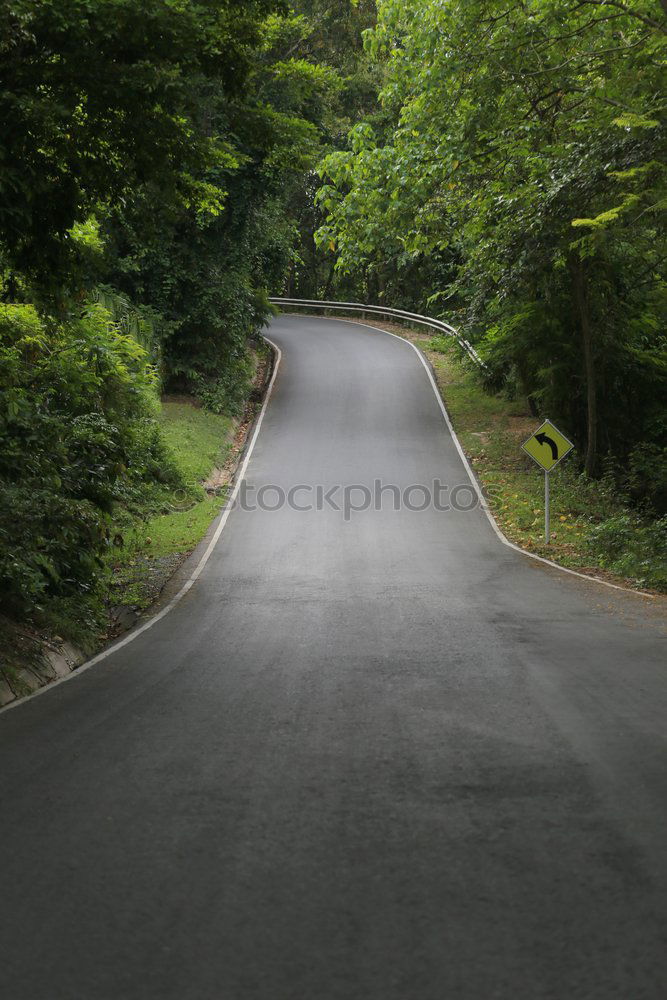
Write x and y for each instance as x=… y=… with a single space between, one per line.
x=547 y=447
x=547 y=498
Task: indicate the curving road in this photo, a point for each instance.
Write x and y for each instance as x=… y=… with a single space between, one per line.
x=382 y=758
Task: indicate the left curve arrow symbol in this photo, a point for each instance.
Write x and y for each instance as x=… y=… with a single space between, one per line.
x=545 y=439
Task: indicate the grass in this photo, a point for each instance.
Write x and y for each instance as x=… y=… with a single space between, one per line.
x=198 y=439
x=154 y=544
x=153 y=530
x=593 y=529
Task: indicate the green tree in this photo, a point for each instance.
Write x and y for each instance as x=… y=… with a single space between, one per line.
x=208 y=272
x=327 y=35
x=524 y=143
x=98 y=98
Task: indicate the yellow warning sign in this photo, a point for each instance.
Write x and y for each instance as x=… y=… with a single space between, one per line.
x=547 y=446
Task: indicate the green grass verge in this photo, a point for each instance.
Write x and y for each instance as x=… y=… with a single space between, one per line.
x=154 y=528
x=593 y=529
x=198 y=439
x=155 y=540
x=199 y=442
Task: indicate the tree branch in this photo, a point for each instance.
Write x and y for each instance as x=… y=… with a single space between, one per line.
x=626 y=10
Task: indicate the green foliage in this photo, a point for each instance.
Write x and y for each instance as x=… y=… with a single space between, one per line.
x=633 y=547
x=77 y=432
x=159 y=161
x=206 y=273
x=149 y=152
x=143 y=323
x=227 y=393
x=327 y=37
x=517 y=176
x=103 y=95
x=168 y=523
x=593 y=525
x=441 y=345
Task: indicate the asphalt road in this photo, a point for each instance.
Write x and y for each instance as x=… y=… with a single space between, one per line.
x=382 y=758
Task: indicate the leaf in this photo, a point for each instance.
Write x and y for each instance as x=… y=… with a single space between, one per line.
x=630 y=120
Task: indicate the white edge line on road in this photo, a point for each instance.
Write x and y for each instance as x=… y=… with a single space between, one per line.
x=131 y=636
x=473 y=477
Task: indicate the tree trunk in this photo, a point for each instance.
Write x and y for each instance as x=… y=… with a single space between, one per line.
x=583 y=315
x=330 y=278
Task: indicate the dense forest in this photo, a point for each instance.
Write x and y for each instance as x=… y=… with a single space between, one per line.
x=169 y=164
x=513 y=178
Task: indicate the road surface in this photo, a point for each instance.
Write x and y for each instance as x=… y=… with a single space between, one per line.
x=381 y=758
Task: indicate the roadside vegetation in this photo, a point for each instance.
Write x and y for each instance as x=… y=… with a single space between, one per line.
x=99 y=506
x=166 y=166
x=512 y=181
x=594 y=528
x=155 y=538
x=151 y=153
x=151 y=530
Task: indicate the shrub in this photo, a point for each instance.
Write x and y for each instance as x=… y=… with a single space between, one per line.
x=227 y=392
x=632 y=547
x=77 y=432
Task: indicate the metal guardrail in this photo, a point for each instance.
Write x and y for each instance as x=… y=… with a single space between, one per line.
x=385 y=311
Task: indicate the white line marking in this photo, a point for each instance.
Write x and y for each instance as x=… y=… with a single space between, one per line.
x=131 y=636
x=473 y=478
x=78 y=671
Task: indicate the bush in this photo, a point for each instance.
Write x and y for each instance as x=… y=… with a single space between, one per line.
x=647 y=474
x=77 y=433
x=442 y=345
x=226 y=393
x=632 y=547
